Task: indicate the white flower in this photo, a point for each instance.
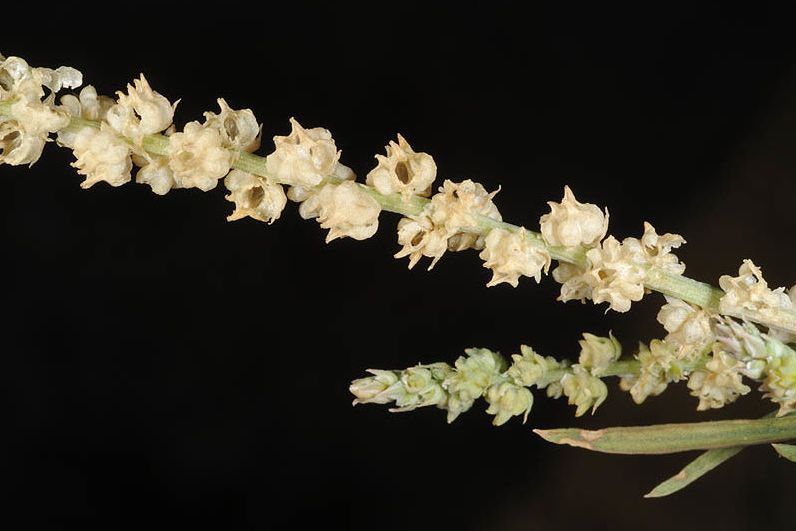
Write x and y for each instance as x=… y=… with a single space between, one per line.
x=24 y=133
x=20 y=80
x=446 y=219
x=346 y=209
x=458 y=205
x=102 y=156
x=511 y=255
x=140 y=112
x=574 y=282
x=617 y=273
x=403 y=171
x=304 y=157
x=88 y=106
x=749 y=291
x=658 y=249
x=719 y=383
x=197 y=157
x=239 y=129
x=571 y=223
x=659 y=366
x=419 y=237
x=155 y=172
x=688 y=327
x=254 y=196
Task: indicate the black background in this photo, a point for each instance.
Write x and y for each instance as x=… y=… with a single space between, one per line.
x=161 y=366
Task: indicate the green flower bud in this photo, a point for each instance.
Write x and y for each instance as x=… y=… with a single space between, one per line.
x=507 y=400
x=530 y=368
x=373 y=389
x=583 y=390
x=473 y=375
x=597 y=353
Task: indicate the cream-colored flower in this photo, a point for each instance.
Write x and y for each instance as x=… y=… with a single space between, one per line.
x=507 y=400
x=658 y=249
x=197 y=157
x=458 y=206
x=419 y=237
x=574 y=282
x=403 y=171
x=155 y=172
x=571 y=222
x=304 y=157
x=446 y=218
x=511 y=254
x=19 y=80
x=346 y=209
x=583 y=390
x=719 y=383
x=140 y=112
x=23 y=135
x=688 y=327
x=598 y=353
x=88 y=106
x=659 y=366
x=102 y=156
x=617 y=273
x=239 y=129
x=254 y=196
x=749 y=291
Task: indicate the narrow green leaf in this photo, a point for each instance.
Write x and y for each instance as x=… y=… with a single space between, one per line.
x=788 y=451
x=671 y=438
x=693 y=471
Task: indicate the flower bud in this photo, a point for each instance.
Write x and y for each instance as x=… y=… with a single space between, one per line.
x=597 y=353
x=507 y=400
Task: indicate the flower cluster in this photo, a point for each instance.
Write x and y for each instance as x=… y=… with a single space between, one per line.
x=485 y=374
x=32 y=116
x=617 y=270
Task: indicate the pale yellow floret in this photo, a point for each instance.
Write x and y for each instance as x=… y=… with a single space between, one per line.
x=749 y=291
x=254 y=197
x=197 y=157
x=140 y=112
x=447 y=222
x=345 y=209
x=572 y=223
x=239 y=130
x=403 y=171
x=304 y=157
x=102 y=156
x=510 y=255
x=719 y=383
x=689 y=327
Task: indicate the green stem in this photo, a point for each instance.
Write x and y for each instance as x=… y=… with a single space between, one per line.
x=671 y=438
x=678 y=286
